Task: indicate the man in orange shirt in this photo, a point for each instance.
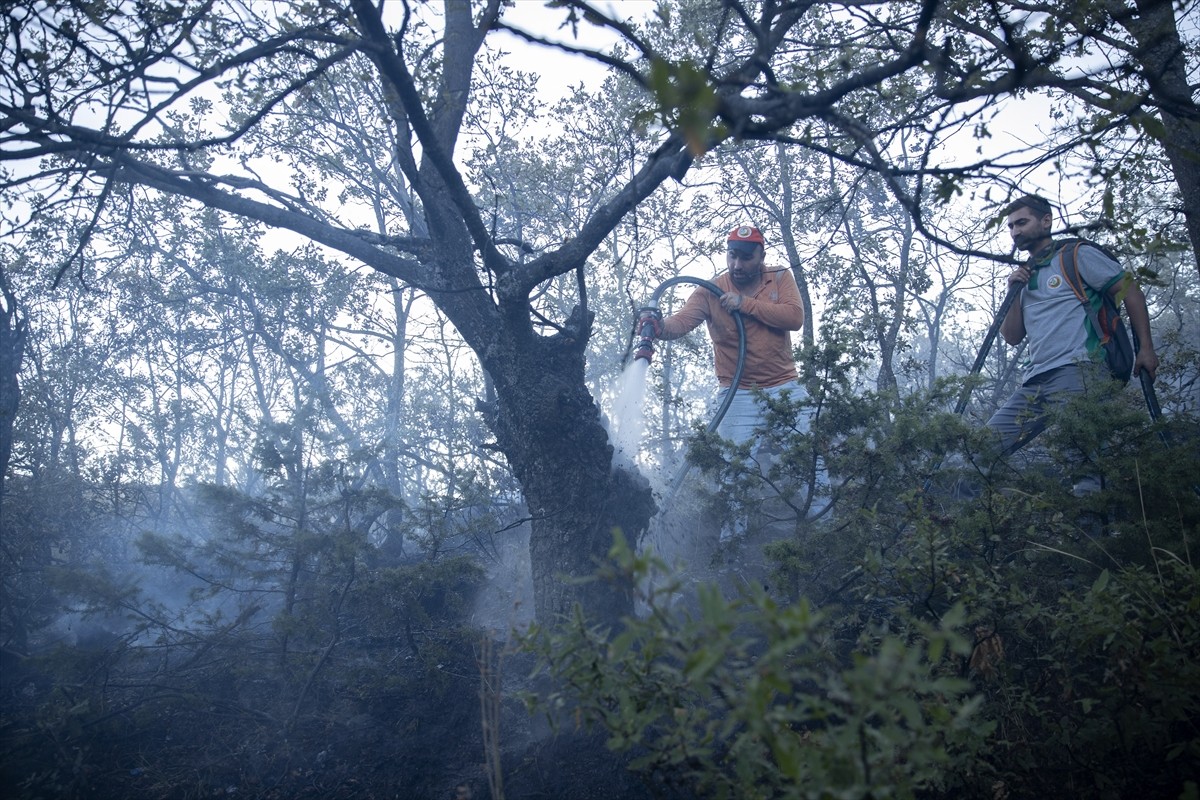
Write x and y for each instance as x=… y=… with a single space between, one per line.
x=769 y=302
x=770 y=306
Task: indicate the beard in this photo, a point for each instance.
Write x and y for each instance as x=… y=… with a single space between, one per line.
x=1027 y=241
x=743 y=277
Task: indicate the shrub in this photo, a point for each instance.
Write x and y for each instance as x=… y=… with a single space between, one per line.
x=748 y=698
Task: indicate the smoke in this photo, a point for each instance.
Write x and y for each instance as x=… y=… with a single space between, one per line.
x=506 y=602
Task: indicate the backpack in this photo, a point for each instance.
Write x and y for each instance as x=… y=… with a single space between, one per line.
x=1103 y=315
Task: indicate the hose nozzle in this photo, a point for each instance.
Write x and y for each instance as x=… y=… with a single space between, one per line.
x=649 y=326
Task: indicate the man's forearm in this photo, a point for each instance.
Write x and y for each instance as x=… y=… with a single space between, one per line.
x=788 y=316
x=1139 y=315
x=1012 y=328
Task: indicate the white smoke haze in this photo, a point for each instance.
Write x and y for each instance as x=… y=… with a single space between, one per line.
x=505 y=604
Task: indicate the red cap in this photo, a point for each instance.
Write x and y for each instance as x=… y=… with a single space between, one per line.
x=746 y=233
x=744 y=238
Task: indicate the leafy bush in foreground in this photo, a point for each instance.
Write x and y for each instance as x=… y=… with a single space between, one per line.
x=747 y=698
x=1021 y=642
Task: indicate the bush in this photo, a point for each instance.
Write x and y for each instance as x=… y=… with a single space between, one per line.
x=1021 y=643
x=752 y=699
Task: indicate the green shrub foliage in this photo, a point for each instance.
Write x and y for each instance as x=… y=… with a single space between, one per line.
x=1013 y=641
x=748 y=698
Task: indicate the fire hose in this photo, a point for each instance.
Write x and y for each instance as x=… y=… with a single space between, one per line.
x=645 y=329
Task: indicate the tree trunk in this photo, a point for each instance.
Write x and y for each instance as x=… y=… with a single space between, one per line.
x=787 y=226
x=548 y=426
x=12 y=349
x=546 y=422
x=393 y=543
x=1164 y=66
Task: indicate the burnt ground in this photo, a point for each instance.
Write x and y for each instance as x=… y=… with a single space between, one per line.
x=416 y=738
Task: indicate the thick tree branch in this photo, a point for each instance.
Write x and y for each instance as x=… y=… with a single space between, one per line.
x=203 y=190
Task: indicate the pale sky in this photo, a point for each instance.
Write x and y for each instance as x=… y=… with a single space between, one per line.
x=558 y=71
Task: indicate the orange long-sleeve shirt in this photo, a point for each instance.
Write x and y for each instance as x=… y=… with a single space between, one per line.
x=769 y=311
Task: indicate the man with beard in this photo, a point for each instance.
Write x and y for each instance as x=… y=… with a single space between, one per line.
x=770 y=306
x=769 y=303
x=1064 y=357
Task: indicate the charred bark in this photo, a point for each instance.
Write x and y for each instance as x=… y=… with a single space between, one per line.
x=548 y=426
x=13 y=330
x=1163 y=59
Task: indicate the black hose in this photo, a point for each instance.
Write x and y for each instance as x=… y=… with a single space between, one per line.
x=741 y=328
x=1014 y=291
x=1148 y=392
x=1152 y=402
x=741 y=357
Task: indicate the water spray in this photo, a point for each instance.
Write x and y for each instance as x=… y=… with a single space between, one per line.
x=648 y=326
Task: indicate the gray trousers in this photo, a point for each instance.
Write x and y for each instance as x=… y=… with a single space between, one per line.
x=1025 y=414
x=746 y=413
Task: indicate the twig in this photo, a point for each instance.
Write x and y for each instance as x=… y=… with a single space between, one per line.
x=489 y=705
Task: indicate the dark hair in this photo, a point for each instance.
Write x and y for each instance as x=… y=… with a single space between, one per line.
x=1035 y=203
